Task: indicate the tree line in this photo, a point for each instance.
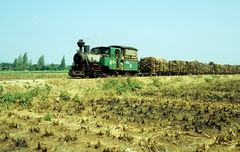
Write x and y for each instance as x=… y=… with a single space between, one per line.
x=23 y=63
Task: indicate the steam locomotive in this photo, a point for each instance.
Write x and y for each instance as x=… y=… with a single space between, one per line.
x=104 y=61
x=122 y=60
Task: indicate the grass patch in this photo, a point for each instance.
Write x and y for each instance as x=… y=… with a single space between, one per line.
x=47 y=117
x=156 y=82
x=25 y=98
x=76 y=98
x=121 y=86
x=64 y=95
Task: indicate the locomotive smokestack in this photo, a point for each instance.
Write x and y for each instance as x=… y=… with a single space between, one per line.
x=80 y=44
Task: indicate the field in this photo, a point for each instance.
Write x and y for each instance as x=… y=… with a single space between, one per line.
x=158 y=114
x=26 y=75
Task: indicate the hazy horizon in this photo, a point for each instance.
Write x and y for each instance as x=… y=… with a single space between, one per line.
x=183 y=30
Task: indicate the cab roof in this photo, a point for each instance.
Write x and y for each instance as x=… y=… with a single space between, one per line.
x=116 y=46
x=123 y=47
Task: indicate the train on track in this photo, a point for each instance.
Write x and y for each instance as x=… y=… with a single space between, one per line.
x=116 y=60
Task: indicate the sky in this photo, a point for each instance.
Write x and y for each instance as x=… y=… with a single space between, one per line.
x=203 y=30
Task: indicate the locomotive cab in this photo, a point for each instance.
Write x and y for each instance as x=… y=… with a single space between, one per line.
x=121 y=60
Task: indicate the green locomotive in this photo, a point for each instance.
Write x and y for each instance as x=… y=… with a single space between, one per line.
x=104 y=61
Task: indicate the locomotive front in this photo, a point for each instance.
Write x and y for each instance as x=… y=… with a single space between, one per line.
x=84 y=61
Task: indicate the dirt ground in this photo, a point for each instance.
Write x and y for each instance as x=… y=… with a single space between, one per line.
x=158 y=114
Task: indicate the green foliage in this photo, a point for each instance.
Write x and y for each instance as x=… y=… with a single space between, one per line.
x=22 y=63
x=42 y=90
x=64 y=95
x=15 y=64
x=25 y=59
x=6 y=66
x=25 y=98
x=47 y=117
x=132 y=84
x=156 y=82
x=122 y=85
x=1 y=90
x=63 y=64
x=53 y=67
x=208 y=78
x=8 y=98
x=76 y=98
x=41 y=62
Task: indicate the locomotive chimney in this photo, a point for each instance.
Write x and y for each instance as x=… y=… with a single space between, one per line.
x=81 y=44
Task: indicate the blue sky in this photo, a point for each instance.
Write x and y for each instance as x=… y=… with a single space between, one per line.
x=204 y=30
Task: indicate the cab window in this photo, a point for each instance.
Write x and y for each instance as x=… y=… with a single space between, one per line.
x=104 y=50
x=95 y=51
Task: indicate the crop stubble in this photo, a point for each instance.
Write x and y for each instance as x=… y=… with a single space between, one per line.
x=187 y=113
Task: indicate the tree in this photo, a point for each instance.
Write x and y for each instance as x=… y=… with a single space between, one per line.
x=15 y=64
x=20 y=62
x=41 y=63
x=63 y=64
x=6 y=66
x=30 y=63
x=25 y=61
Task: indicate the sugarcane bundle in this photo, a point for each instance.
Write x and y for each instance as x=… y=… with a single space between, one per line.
x=223 y=69
x=218 y=69
x=236 y=69
x=161 y=66
x=184 y=67
x=145 y=65
x=204 y=68
x=200 y=68
x=194 y=67
x=188 y=67
x=226 y=69
x=233 y=69
x=153 y=66
x=177 y=67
